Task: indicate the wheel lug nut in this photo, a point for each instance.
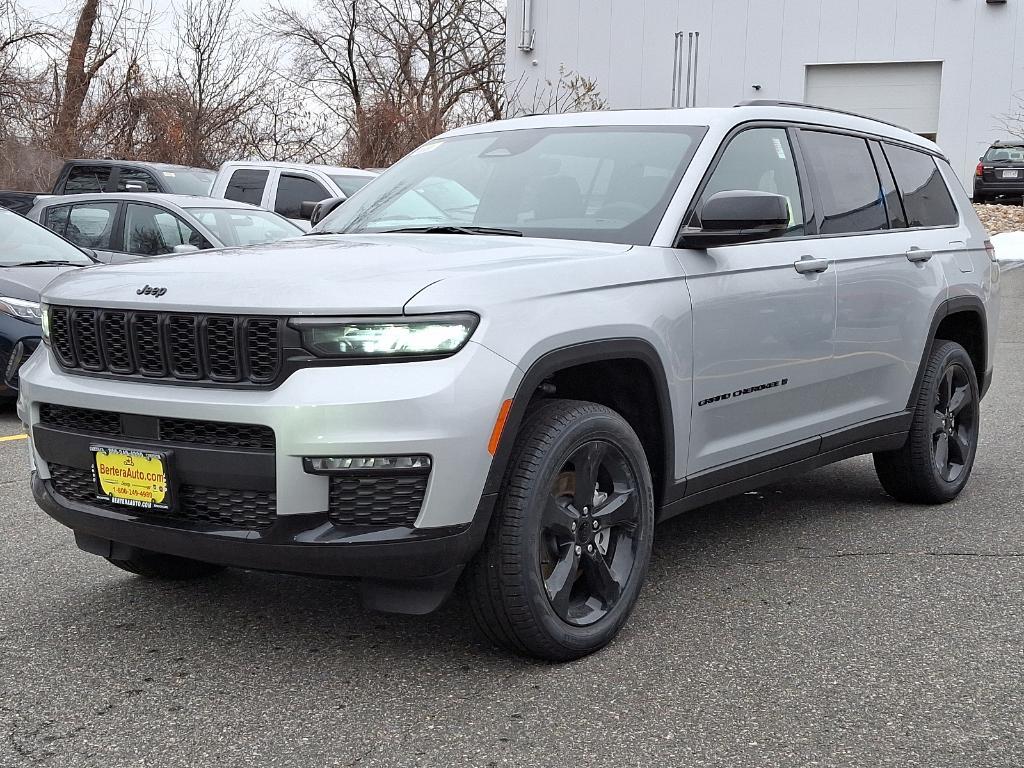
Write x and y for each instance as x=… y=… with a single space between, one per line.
x=590 y=547
x=596 y=525
x=579 y=549
x=586 y=510
x=574 y=527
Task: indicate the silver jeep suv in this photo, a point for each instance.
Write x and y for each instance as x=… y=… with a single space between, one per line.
x=507 y=358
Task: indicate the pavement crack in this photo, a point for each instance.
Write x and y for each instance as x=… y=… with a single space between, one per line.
x=884 y=553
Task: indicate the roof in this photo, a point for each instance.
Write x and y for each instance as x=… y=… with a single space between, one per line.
x=182 y=201
x=1015 y=143
x=297 y=167
x=722 y=117
x=140 y=163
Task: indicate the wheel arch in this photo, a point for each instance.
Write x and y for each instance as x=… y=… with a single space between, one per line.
x=962 y=319
x=562 y=369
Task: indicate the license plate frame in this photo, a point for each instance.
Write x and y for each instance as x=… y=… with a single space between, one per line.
x=135 y=478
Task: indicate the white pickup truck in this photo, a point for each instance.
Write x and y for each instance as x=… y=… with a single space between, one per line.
x=290 y=189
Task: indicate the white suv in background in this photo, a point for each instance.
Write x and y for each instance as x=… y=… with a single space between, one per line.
x=290 y=189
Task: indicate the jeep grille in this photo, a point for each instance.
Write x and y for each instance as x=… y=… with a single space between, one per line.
x=170 y=346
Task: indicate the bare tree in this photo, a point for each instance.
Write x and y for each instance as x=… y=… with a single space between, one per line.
x=396 y=72
x=92 y=45
x=216 y=78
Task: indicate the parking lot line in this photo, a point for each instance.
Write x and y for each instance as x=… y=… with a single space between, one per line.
x=9 y=438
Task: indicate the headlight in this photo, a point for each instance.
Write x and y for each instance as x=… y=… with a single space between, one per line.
x=386 y=337
x=25 y=310
x=44 y=319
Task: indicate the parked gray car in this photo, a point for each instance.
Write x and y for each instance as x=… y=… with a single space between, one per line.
x=125 y=226
x=633 y=314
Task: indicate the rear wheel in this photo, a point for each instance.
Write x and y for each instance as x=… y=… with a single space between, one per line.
x=569 y=545
x=935 y=463
x=156 y=565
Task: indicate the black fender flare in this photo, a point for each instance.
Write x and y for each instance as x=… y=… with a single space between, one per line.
x=951 y=307
x=579 y=354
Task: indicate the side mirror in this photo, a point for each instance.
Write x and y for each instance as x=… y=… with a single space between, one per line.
x=737 y=216
x=325 y=208
x=306 y=209
x=185 y=248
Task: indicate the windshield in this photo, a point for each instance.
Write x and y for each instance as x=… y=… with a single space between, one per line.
x=608 y=184
x=23 y=241
x=1004 y=155
x=235 y=226
x=191 y=181
x=350 y=184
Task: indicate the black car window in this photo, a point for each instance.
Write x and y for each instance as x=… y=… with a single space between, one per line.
x=152 y=231
x=246 y=185
x=893 y=204
x=91 y=224
x=85 y=179
x=759 y=160
x=851 y=194
x=136 y=180
x=925 y=195
x=293 y=191
x=56 y=218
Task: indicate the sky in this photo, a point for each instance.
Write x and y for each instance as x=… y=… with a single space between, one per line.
x=163 y=11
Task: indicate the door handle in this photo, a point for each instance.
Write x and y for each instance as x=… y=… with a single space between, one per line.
x=809 y=265
x=916 y=256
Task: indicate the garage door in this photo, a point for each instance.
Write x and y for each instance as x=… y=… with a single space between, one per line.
x=905 y=93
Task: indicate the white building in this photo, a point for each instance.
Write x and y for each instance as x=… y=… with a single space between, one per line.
x=947 y=69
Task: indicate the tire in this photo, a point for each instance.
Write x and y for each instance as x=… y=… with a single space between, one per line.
x=155 y=565
x=946 y=424
x=560 y=569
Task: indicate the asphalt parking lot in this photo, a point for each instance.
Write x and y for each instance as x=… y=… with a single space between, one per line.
x=814 y=623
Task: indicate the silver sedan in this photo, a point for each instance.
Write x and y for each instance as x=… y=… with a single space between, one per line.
x=126 y=226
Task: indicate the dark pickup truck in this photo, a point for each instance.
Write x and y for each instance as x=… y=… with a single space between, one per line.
x=91 y=176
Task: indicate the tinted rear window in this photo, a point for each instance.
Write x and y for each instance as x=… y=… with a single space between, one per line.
x=925 y=197
x=246 y=186
x=851 y=194
x=87 y=178
x=1005 y=155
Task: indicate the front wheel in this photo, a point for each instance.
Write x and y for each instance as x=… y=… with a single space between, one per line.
x=569 y=545
x=935 y=463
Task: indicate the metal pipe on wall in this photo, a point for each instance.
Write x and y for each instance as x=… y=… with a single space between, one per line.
x=675 y=72
x=696 y=63
x=529 y=36
x=689 y=59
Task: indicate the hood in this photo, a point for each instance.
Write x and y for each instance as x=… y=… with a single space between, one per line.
x=27 y=282
x=315 y=275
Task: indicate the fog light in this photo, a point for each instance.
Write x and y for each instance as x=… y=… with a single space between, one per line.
x=332 y=465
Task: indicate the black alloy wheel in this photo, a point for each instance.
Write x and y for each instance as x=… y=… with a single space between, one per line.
x=953 y=424
x=588 y=544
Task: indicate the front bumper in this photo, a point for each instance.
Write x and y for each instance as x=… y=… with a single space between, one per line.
x=443 y=408
x=403 y=570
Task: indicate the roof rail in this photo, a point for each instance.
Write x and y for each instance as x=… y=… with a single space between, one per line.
x=801 y=105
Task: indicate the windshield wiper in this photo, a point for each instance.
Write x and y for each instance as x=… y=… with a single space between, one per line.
x=453 y=229
x=43 y=263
